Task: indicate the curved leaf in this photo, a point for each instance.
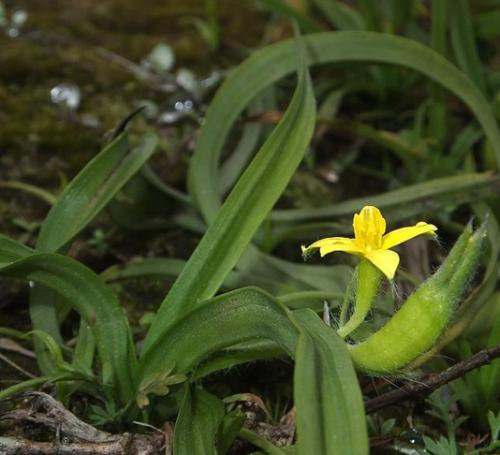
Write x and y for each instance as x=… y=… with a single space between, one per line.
x=405 y=202
x=88 y=193
x=95 y=302
x=85 y=196
x=226 y=320
x=271 y=63
x=243 y=212
x=323 y=368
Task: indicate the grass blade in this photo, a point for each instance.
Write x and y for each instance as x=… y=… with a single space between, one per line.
x=463 y=42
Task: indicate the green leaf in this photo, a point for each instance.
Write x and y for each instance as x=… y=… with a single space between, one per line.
x=238 y=354
x=494 y=423
x=438 y=110
x=243 y=212
x=161 y=267
x=324 y=368
x=302 y=276
x=53 y=348
x=487 y=25
x=83 y=355
x=158 y=384
x=11 y=251
x=31 y=383
x=407 y=201
x=260 y=442
x=272 y=274
x=235 y=317
x=231 y=425
x=40 y=193
x=85 y=196
x=253 y=76
x=95 y=302
x=197 y=425
x=464 y=42
x=161 y=186
x=169 y=267
x=371 y=14
x=236 y=163
x=89 y=192
x=330 y=411
x=342 y=16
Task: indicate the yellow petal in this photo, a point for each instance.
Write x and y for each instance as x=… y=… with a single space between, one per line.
x=401 y=235
x=369 y=227
x=331 y=244
x=385 y=260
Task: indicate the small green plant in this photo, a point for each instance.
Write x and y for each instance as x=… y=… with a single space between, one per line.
x=197 y=330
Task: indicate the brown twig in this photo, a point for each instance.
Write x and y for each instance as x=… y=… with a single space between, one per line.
x=433 y=381
x=73 y=436
x=13 y=446
x=47 y=411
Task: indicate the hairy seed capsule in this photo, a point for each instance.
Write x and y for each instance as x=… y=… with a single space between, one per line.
x=416 y=327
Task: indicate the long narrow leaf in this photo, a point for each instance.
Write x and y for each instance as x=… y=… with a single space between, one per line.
x=95 y=302
x=197 y=425
x=463 y=42
x=330 y=412
x=326 y=391
x=232 y=318
x=92 y=189
x=243 y=212
x=407 y=201
x=342 y=16
x=85 y=196
x=10 y=250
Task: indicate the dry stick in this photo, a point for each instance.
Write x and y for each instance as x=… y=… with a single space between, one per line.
x=83 y=438
x=13 y=446
x=433 y=381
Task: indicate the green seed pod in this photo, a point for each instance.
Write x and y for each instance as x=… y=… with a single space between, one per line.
x=416 y=327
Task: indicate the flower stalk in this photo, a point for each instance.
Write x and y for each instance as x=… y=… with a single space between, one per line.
x=368 y=279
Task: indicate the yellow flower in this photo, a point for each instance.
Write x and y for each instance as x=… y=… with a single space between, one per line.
x=371 y=241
